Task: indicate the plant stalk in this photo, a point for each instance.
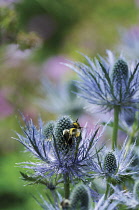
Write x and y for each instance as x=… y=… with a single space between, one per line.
x=107 y=190
x=115 y=127
x=66 y=186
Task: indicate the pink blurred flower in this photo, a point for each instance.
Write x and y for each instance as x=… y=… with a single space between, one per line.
x=89 y=119
x=132 y=35
x=14 y=55
x=6 y=108
x=7 y=2
x=54 y=69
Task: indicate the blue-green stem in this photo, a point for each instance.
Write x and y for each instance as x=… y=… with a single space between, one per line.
x=115 y=127
x=66 y=186
x=107 y=189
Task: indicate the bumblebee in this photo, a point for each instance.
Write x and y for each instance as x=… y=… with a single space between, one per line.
x=73 y=131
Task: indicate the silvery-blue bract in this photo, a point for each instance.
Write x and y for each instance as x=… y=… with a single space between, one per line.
x=51 y=160
x=117 y=169
x=108 y=82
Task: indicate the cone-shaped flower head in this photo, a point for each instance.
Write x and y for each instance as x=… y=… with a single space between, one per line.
x=48 y=129
x=80 y=197
x=120 y=71
x=62 y=126
x=110 y=165
x=120 y=76
x=108 y=83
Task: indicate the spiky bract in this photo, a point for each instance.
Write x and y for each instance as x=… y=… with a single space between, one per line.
x=108 y=82
x=115 y=164
x=76 y=162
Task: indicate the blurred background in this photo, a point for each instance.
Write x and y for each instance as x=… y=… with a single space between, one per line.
x=35 y=37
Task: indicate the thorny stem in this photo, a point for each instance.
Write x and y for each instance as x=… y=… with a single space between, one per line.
x=115 y=127
x=66 y=186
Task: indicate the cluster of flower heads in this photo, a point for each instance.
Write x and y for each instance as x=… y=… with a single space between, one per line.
x=108 y=83
x=67 y=154
x=80 y=199
x=62 y=147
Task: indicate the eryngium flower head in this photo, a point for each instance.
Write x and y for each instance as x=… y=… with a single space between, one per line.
x=110 y=165
x=76 y=162
x=80 y=197
x=63 y=124
x=115 y=164
x=48 y=129
x=108 y=83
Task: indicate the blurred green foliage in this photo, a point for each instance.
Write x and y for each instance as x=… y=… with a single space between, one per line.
x=81 y=23
x=48 y=28
x=8 y=25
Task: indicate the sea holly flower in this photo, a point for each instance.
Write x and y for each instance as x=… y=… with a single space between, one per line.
x=115 y=166
x=61 y=132
x=108 y=82
x=51 y=159
x=110 y=164
x=48 y=129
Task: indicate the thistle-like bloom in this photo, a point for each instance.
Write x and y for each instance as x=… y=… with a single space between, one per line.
x=115 y=164
x=75 y=159
x=108 y=82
